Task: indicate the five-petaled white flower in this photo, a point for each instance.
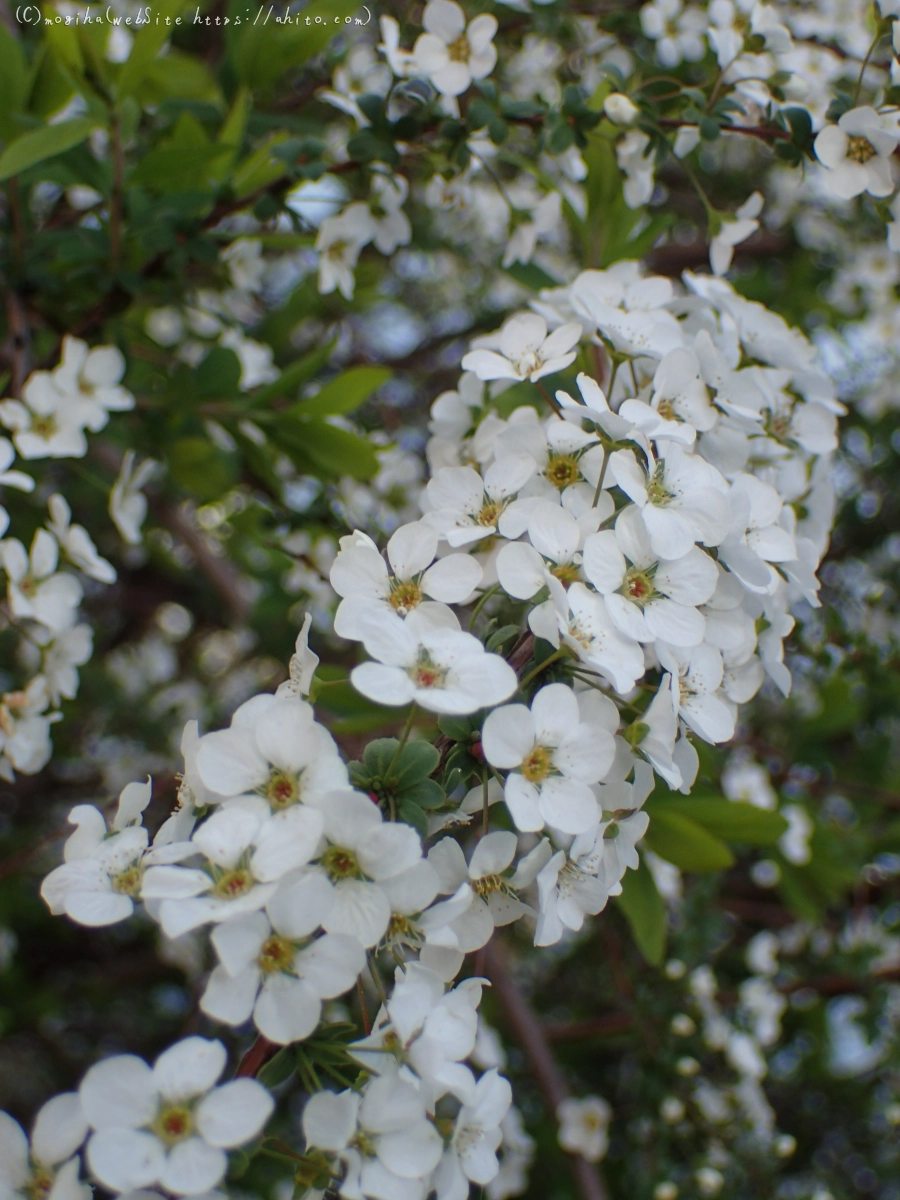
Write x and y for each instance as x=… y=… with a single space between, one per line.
x=583 y=1126
x=441 y=669
x=552 y=755
x=856 y=153
x=522 y=349
x=450 y=54
x=169 y=1125
x=49 y=1166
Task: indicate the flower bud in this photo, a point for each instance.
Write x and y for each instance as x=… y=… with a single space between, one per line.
x=620 y=109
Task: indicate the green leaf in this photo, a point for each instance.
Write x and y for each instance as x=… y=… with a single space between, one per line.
x=261 y=53
x=460 y=729
x=731 y=821
x=197 y=466
x=278 y=1069
x=333 y=451
x=13 y=81
x=147 y=45
x=294 y=376
x=532 y=276
x=378 y=755
x=413 y=815
x=344 y=394
x=427 y=793
x=219 y=374
x=681 y=841
x=645 y=912
x=417 y=762
x=259 y=169
x=40 y=144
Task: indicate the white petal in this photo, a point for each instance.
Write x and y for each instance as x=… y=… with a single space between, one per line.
x=331 y=964
x=288 y=840
x=230 y=998
x=568 y=805
x=452 y=579
x=285 y=737
x=14 y=1169
x=189 y=1068
x=125 y=1159
x=493 y=854
x=555 y=713
x=238 y=942
x=329 y=1120
x=287 y=1010
x=411 y=548
x=59 y=1129
x=230 y=763
x=193 y=1168
x=360 y=910
x=119 y=1092
x=508 y=735
x=388 y=850
x=301 y=904
x=234 y=1113
x=522 y=801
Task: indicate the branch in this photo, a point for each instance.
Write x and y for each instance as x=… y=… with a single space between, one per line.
x=765 y=133
x=256 y=1058
x=220 y=572
x=528 y=1032
x=18 y=346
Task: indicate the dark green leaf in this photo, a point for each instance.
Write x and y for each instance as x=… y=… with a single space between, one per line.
x=40 y=144
x=344 y=394
x=681 y=841
x=645 y=912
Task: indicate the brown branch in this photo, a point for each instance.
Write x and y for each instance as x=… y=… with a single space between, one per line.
x=529 y=1033
x=18 y=344
x=765 y=133
x=256 y=1058
x=220 y=572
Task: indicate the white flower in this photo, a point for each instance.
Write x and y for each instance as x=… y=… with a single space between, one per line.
x=339 y=242
x=256 y=359
x=583 y=1126
x=101 y=876
x=734 y=231
x=169 y=1125
x=127 y=503
x=585 y=624
x=274 y=748
x=683 y=499
x=794 y=842
x=522 y=349
x=360 y=576
x=464 y=507
x=25 y=729
x=440 y=669
x=677 y=31
x=76 y=543
x=246 y=265
x=620 y=110
x=44 y=423
x=638 y=165
x=248 y=849
x=302 y=666
x=34 y=588
x=15 y=479
x=89 y=379
x=551 y=755
x=383 y=1136
x=450 y=54
x=390 y=222
x=270 y=968
x=427 y=1030
x=48 y=1167
x=366 y=867
x=67 y=650
x=628 y=310
x=493 y=899
x=857 y=153
x=401 y=62
x=650 y=599
x=695 y=681
x=749 y=782
x=472 y=1152
x=524 y=238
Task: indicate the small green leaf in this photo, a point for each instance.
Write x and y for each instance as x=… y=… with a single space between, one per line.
x=40 y=144
x=683 y=842
x=219 y=374
x=418 y=761
x=426 y=793
x=459 y=729
x=334 y=451
x=413 y=815
x=197 y=466
x=147 y=44
x=278 y=1069
x=344 y=394
x=532 y=276
x=645 y=912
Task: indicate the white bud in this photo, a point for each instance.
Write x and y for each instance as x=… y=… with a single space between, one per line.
x=620 y=109
x=667 y=1190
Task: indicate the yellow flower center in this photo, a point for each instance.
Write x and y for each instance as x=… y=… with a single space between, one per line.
x=488 y=885
x=405 y=596
x=860 y=150
x=282 y=789
x=426 y=673
x=566 y=573
x=562 y=471
x=341 y=863
x=657 y=492
x=459 y=50
x=232 y=884
x=44 y=426
x=40 y=1185
x=638 y=587
x=489 y=513
x=277 y=954
x=537 y=765
x=174 y=1124
x=128 y=882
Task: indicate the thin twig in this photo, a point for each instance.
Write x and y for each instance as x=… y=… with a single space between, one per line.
x=528 y=1032
x=256 y=1058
